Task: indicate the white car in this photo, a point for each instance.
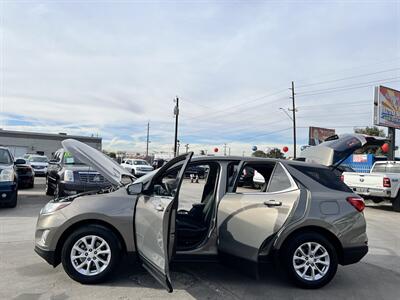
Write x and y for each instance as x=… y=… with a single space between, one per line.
x=39 y=163
x=138 y=167
x=258 y=180
x=381 y=183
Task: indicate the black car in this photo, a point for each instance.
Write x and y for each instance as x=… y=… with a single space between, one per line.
x=199 y=171
x=68 y=176
x=26 y=175
x=8 y=179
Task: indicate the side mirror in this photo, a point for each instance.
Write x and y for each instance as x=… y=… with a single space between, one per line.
x=135 y=188
x=20 y=161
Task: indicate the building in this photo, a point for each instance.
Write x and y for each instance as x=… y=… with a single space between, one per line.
x=22 y=142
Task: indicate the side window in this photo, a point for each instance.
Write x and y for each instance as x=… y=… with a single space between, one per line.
x=279 y=181
x=254 y=177
x=198 y=185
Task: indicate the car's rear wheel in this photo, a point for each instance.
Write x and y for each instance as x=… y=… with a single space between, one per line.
x=310 y=260
x=90 y=254
x=396 y=203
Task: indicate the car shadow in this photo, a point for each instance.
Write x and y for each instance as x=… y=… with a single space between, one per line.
x=217 y=281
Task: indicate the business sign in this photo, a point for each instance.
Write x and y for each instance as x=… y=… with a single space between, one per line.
x=316 y=135
x=360 y=158
x=387 y=107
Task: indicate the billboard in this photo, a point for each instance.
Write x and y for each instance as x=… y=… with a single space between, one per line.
x=387 y=107
x=316 y=135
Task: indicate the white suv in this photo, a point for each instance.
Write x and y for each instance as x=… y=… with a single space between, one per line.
x=138 y=167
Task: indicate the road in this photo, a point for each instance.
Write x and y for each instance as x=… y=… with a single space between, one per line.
x=24 y=275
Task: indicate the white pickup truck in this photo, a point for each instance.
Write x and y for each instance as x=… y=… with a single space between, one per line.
x=382 y=183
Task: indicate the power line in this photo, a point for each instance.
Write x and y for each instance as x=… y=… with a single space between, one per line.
x=347 y=87
x=346 y=78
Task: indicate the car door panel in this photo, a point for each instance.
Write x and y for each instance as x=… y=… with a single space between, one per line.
x=246 y=220
x=155 y=225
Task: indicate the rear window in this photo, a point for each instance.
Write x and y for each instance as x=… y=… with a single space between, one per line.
x=323 y=176
x=386 y=168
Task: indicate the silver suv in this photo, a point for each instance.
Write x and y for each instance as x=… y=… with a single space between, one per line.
x=302 y=215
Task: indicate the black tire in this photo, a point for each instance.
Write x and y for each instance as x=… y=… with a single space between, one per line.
x=133 y=172
x=101 y=232
x=396 y=203
x=289 y=250
x=58 y=192
x=49 y=189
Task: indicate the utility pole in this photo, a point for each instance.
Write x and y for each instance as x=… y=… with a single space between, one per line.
x=176 y=113
x=187 y=148
x=147 y=140
x=294 y=120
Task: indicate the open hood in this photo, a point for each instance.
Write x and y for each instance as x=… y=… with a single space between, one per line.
x=100 y=162
x=335 y=149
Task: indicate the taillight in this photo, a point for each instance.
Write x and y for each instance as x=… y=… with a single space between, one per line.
x=342 y=178
x=357 y=202
x=386 y=182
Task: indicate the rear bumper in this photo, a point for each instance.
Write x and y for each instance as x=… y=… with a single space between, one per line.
x=47 y=255
x=372 y=192
x=353 y=254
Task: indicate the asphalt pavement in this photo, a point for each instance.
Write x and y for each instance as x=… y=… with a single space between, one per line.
x=24 y=275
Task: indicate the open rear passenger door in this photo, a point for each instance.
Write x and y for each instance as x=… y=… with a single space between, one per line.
x=154 y=219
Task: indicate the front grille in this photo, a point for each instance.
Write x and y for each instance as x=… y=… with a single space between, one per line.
x=38 y=167
x=91 y=177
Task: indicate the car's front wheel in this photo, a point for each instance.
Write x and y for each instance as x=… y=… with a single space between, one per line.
x=310 y=260
x=49 y=189
x=90 y=254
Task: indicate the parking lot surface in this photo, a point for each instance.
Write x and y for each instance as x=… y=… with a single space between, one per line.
x=24 y=275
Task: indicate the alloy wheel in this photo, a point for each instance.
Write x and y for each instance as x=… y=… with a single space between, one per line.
x=311 y=261
x=90 y=255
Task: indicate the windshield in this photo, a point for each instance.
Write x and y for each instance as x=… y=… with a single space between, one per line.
x=5 y=157
x=70 y=160
x=386 y=168
x=38 y=159
x=140 y=162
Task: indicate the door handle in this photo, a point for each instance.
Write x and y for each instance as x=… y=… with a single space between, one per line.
x=271 y=203
x=159 y=207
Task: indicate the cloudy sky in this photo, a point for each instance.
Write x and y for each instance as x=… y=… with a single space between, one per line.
x=107 y=68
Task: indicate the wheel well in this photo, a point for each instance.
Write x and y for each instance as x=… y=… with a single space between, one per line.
x=83 y=223
x=324 y=232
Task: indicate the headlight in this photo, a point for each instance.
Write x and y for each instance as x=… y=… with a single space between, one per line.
x=68 y=175
x=7 y=175
x=53 y=206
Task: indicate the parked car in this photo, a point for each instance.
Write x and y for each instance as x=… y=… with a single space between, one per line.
x=67 y=175
x=39 y=163
x=382 y=183
x=258 y=180
x=199 y=171
x=8 y=179
x=307 y=218
x=138 y=167
x=25 y=172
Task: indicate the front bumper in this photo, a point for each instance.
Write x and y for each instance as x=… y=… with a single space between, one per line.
x=7 y=191
x=353 y=255
x=40 y=171
x=47 y=255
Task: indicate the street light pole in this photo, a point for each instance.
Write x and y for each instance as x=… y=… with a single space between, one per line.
x=176 y=113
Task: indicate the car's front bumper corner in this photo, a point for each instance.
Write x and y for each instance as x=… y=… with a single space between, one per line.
x=48 y=255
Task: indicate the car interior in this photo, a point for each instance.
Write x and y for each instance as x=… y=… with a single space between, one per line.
x=265 y=169
x=195 y=210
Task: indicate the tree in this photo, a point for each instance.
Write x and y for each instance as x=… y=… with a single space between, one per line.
x=274 y=153
x=259 y=153
x=374 y=131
